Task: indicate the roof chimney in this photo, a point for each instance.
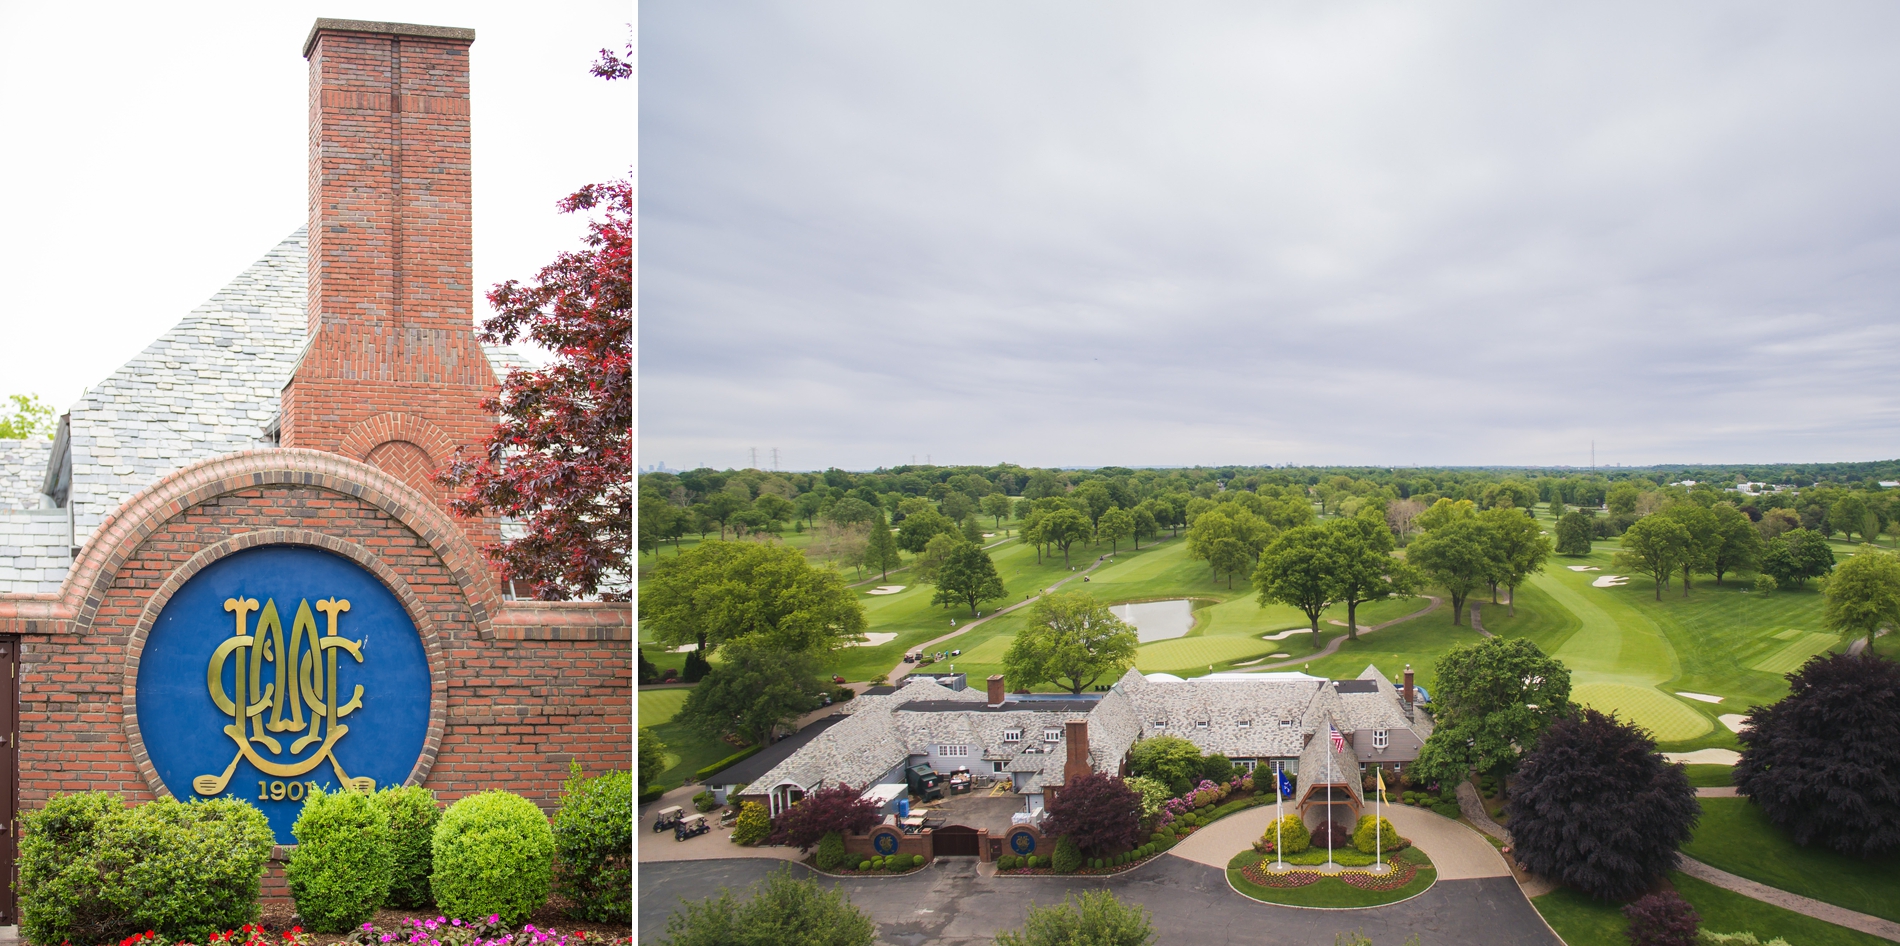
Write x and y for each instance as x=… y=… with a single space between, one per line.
x=996 y=689
x=391 y=373
x=1408 y=693
x=1076 y=734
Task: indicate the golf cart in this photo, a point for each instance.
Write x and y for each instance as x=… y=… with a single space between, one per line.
x=668 y=818
x=690 y=826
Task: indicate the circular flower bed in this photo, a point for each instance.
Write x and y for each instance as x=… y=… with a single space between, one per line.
x=1259 y=874
x=1411 y=874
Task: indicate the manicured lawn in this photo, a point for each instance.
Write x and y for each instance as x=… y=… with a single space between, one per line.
x=1666 y=718
x=1710 y=776
x=1582 y=921
x=1330 y=891
x=658 y=707
x=686 y=751
x=1735 y=836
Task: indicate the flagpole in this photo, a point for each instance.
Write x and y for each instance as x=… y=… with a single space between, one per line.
x=1378 y=821
x=1279 y=814
x=1329 y=805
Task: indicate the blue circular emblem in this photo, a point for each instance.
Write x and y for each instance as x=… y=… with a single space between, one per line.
x=1023 y=843
x=885 y=844
x=277 y=671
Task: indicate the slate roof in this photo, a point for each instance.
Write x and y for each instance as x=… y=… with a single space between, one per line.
x=207 y=386
x=1315 y=760
x=749 y=769
x=22 y=468
x=1242 y=717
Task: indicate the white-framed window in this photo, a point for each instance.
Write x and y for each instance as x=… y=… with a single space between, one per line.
x=997 y=767
x=1012 y=735
x=1200 y=724
x=1052 y=735
x=1286 y=724
x=1381 y=738
x=1246 y=724
x=953 y=752
x=1247 y=764
x=1160 y=724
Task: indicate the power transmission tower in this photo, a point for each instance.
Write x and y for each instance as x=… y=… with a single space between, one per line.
x=755 y=458
x=774 y=459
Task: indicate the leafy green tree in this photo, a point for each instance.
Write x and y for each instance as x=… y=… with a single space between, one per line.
x=1574 y=531
x=1445 y=512
x=996 y=506
x=968 y=576
x=850 y=511
x=28 y=417
x=1557 y=508
x=652 y=757
x=1455 y=556
x=1063 y=528
x=958 y=507
x=1622 y=499
x=755 y=690
x=720 y=507
x=1115 y=525
x=1519 y=548
x=659 y=520
x=775 y=509
x=918 y=528
x=1092 y=918
x=1849 y=514
x=1737 y=543
x=1796 y=556
x=1070 y=641
x=1095 y=499
x=1363 y=566
x=1043 y=483
x=1298 y=570
x=1228 y=521
x=971 y=532
x=1170 y=760
x=1654 y=546
x=1705 y=539
x=718 y=592
x=880 y=548
x=930 y=561
x=1492 y=700
x=1145 y=525
x=1863 y=594
x=777 y=910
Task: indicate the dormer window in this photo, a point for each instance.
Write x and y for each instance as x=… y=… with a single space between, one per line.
x=1201 y=724
x=1246 y=724
x=1286 y=724
x=1052 y=735
x=1381 y=738
x=1160 y=724
x=1012 y=735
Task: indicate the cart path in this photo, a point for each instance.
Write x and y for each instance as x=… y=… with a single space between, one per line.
x=1839 y=916
x=1333 y=646
x=949 y=902
x=1477 y=622
x=903 y=669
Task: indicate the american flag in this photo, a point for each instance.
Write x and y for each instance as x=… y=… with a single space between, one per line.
x=1339 y=741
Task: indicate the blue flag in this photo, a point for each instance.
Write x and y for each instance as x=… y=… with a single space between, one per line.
x=1286 y=786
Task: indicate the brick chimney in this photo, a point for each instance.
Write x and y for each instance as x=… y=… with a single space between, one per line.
x=996 y=690
x=391 y=373
x=1076 y=734
x=1408 y=693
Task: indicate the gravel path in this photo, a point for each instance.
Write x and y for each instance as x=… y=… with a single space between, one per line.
x=1477 y=622
x=1839 y=916
x=1333 y=647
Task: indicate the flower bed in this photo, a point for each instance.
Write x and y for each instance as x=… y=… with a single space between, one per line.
x=1411 y=874
x=440 y=931
x=1259 y=874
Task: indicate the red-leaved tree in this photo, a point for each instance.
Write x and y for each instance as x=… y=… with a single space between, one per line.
x=1099 y=813
x=839 y=808
x=560 y=459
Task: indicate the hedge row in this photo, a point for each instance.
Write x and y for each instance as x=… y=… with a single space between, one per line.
x=714 y=769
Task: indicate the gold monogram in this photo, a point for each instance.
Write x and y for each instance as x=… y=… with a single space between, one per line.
x=304 y=676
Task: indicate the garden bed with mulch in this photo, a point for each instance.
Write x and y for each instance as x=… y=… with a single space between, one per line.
x=280 y=915
x=1412 y=873
x=853 y=871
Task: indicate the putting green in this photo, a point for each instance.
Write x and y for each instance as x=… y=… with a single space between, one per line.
x=1615 y=644
x=1666 y=719
x=989 y=652
x=660 y=706
x=1193 y=654
x=1791 y=657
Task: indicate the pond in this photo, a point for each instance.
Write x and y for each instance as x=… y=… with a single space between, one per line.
x=1157 y=620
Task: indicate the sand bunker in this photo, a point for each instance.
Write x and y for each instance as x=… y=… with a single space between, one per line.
x=1704 y=697
x=683 y=648
x=1611 y=581
x=886 y=590
x=1343 y=624
x=1585 y=568
x=873 y=640
x=1289 y=632
x=1157 y=620
x=1279 y=655
x=1705 y=757
x=1734 y=721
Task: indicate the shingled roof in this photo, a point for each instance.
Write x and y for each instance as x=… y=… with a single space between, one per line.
x=207 y=386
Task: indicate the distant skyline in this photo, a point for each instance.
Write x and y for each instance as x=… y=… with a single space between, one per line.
x=156 y=151
x=1078 y=235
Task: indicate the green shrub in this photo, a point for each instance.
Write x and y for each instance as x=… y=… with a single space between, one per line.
x=703 y=802
x=1068 y=857
x=830 y=851
x=734 y=759
x=345 y=859
x=864 y=865
x=877 y=863
x=593 y=845
x=1292 y=834
x=916 y=860
x=1034 y=861
x=652 y=794
x=494 y=854
x=412 y=817
x=94 y=871
x=754 y=824
x=898 y=863
x=1448 y=809
x=1387 y=839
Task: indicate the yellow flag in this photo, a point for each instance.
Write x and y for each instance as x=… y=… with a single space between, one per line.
x=1379 y=774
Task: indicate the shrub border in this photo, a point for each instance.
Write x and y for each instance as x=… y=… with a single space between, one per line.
x=1255 y=801
x=708 y=771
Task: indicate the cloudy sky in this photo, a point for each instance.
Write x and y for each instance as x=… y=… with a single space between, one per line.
x=1079 y=234
x=151 y=152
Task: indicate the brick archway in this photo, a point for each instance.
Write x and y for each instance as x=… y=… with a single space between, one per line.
x=366 y=435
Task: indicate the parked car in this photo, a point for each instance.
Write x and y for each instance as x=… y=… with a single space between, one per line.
x=669 y=817
x=690 y=826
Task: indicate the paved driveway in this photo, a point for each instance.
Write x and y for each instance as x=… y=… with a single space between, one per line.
x=948 y=903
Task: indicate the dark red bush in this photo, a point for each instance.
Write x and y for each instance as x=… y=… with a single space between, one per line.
x=838 y=808
x=1662 y=919
x=1100 y=814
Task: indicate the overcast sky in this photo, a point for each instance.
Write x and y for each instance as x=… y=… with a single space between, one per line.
x=1080 y=234
x=150 y=152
